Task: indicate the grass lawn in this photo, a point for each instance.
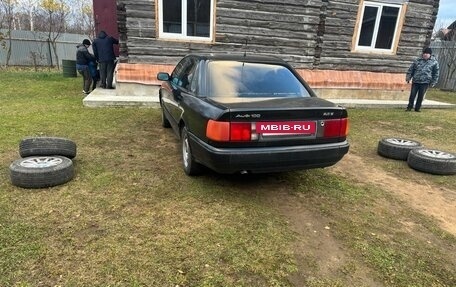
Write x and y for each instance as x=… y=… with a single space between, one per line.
x=131 y=217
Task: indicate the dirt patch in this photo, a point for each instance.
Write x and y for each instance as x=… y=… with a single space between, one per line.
x=437 y=202
x=317 y=253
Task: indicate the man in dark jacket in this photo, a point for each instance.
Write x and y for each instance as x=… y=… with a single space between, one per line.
x=423 y=72
x=104 y=53
x=83 y=59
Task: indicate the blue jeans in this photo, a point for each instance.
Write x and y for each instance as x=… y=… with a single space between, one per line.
x=419 y=89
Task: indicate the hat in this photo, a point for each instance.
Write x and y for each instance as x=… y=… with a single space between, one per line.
x=427 y=51
x=86 y=42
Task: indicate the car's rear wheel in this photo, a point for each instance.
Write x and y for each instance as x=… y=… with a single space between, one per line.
x=432 y=161
x=191 y=167
x=396 y=148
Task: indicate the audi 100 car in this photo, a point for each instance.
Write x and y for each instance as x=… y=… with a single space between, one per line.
x=249 y=114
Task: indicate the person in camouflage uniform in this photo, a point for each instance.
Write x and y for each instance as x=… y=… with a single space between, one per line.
x=423 y=72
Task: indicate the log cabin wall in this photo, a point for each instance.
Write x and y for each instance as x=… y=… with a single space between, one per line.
x=310 y=34
x=268 y=27
x=416 y=32
x=315 y=36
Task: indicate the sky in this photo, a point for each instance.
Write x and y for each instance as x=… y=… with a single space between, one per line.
x=446 y=14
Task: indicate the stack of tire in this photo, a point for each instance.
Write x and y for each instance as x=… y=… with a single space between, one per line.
x=417 y=156
x=44 y=162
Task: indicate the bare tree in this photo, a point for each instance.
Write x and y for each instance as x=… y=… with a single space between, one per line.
x=34 y=15
x=51 y=16
x=29 y=8
x=7 y=7
x=88 y=21
x=56 y=12
x=81 y=20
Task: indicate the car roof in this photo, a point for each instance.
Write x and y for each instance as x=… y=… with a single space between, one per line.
x=238 y=57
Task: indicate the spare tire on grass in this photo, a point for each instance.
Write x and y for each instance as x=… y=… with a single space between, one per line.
x=41 y=171
x=432 y=161
x=396 y=148
x=47 y=146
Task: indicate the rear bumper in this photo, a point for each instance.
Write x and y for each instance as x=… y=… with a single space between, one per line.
x=271 y=159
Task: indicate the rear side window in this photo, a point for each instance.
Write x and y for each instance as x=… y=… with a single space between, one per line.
x=242 y=79
x=184 y=73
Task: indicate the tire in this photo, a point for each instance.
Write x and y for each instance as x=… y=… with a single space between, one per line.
x=41 y=171
x=396 y=148
x=47 y=146
x=191 y=167
x=432 y=161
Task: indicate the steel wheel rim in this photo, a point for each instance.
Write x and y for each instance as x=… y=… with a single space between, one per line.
x=41 y=162
x=436 y=154
x=185 y=151
x=402 y=142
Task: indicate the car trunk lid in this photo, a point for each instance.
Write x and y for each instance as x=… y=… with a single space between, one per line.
x=283 y=122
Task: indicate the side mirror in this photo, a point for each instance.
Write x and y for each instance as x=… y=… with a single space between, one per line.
x=163 y=76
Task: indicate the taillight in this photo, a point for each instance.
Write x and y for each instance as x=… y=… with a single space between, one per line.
x=347 y=127
x=336 y=128
x=218 y=131
x=226 y=131
x=240 y=131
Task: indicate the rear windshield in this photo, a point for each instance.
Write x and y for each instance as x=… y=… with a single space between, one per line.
x=240 y=79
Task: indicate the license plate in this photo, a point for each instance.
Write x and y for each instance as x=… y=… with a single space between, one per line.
x=295 y=127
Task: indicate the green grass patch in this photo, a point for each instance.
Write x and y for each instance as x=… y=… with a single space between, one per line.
x=131 y=217
x=442 y=96
x=404 y=247
x=434 y=128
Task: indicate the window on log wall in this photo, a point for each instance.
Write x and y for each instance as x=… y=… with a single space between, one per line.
x=378 y=27
x=186 y=19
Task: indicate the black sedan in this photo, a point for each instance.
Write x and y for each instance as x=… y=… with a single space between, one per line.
x=249 y=114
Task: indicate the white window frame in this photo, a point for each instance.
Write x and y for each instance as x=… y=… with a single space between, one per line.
x=372 y=49
x=183 y=34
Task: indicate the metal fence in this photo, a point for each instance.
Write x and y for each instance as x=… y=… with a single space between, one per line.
x=29 y=48
x=445 y=52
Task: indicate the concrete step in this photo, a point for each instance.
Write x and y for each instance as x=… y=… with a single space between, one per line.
x=361 y=103
x=110 y=98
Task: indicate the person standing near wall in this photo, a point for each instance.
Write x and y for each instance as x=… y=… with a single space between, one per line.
x=103 y=48
x=83 y=59
x=423 y=72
